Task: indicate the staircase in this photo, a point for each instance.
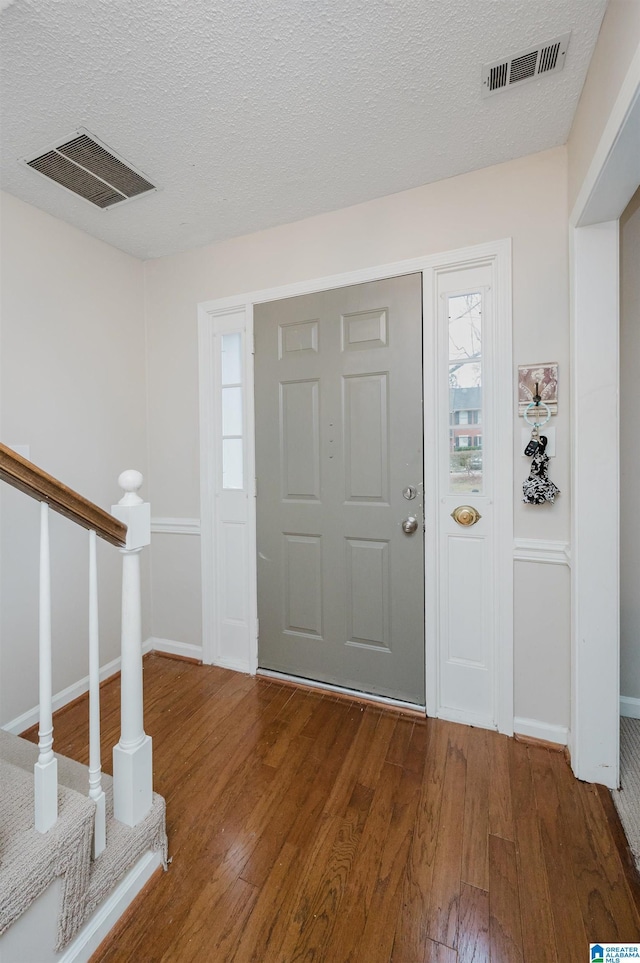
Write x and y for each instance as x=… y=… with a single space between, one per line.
x=77 y=845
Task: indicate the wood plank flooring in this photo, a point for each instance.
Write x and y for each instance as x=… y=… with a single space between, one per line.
x=304 y=827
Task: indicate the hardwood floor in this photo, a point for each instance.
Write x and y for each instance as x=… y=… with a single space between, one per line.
x=303 y=827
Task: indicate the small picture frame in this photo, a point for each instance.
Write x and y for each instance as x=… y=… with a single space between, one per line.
x=545 y=376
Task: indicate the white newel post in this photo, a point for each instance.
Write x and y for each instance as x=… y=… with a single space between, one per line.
x=46 y=768
x=132 y=765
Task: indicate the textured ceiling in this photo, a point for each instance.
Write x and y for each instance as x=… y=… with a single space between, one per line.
x=251 y=113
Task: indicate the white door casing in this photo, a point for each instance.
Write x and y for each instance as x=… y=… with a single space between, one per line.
x=609 y=185
x=228 y=518
x=595 y=533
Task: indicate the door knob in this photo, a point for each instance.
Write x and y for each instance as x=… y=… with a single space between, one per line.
x=410 y=525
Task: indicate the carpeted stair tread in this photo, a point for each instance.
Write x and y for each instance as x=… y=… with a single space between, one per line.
x=86 y=883
x=125 y=846
x=30 y=861
x=23 y=753
x=627 y=798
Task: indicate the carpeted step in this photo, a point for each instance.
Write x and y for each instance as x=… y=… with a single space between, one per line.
x=30 y=861
x=21 y=752
x=68 y=843
x=627 y=798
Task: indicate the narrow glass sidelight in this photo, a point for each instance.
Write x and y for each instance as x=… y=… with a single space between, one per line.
x=232 y=391
x=232 y=358
x=465 y=393
x=231 y=412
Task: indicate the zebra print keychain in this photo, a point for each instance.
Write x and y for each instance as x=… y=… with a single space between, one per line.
x=538 y=488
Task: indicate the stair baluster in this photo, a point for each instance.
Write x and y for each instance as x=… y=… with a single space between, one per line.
x=132 y=759
x=96 y=791
x=46 y=768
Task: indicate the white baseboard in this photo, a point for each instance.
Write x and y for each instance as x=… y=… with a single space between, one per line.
x=541 y=730
x=239 y=665
x=65 y=696
x=84 y=945
x=62 y=698
x=186 y=649
x=630 y=707
x=465 y=718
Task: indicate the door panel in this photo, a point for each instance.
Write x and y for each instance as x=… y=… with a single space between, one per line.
x=467 y=617
x=365 y=438
x=300 y=439
x=368 y=592
x=338 y=389
x=466 y=561
x=303 y=584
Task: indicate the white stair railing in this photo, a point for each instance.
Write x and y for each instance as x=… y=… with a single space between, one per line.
x=96 y=791
x=129 y=528
x=46 y=768
x=132 y=757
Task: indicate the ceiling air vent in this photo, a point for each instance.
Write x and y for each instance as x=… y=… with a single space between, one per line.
x=545 y=58
x=87 y=167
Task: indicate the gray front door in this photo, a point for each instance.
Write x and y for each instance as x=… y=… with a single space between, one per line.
x=338 y=395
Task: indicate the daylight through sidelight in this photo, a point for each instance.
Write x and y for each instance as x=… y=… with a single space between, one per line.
x=232 y=433
x=465 y=393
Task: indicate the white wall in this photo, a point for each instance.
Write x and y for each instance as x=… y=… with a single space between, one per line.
x=630 y=450
x=618 y=42
x=526 y=200
x=72 y=387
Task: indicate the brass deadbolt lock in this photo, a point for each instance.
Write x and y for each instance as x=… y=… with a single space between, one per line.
x=465 y=515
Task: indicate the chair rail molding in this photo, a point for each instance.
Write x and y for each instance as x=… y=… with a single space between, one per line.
x=546 y=550
x=175 y=526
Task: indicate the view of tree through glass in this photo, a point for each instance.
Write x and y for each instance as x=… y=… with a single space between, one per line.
x=465 y=393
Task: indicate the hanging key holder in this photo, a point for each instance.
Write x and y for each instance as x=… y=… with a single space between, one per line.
x=538 y=442
x=538 y=488
x=535 y=406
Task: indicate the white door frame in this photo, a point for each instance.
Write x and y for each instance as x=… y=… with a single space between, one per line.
x=234 y=642
x=610 y=183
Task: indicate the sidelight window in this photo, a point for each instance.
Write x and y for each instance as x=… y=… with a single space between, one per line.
x=232 y=412
x=465 y=392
